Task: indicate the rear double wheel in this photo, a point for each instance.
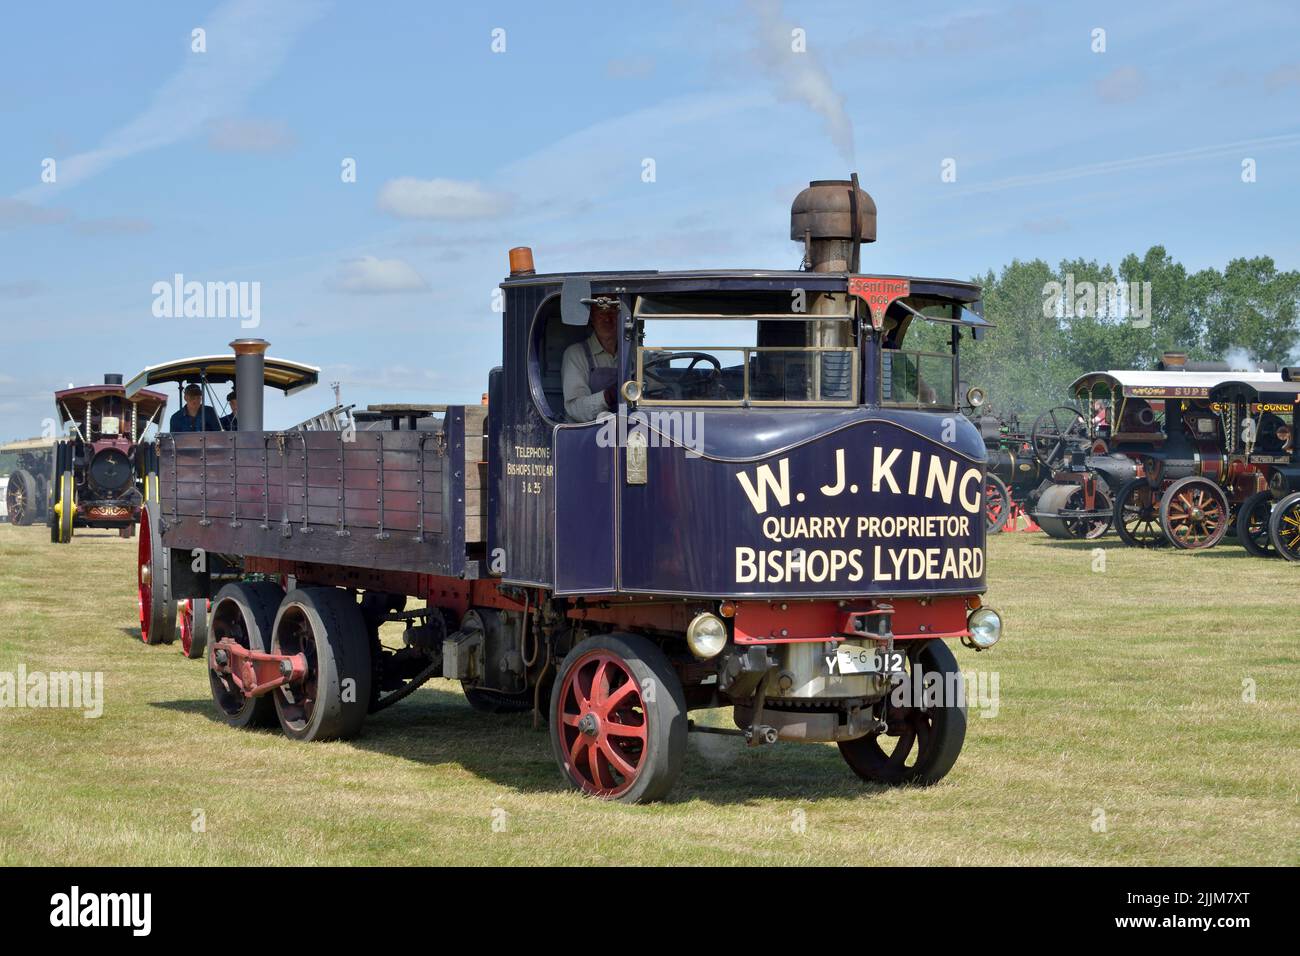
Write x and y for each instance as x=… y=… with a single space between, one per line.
x=618 y=719
x=1284 y=527
x=925 y=733
x=244 y=613
x=326 y=627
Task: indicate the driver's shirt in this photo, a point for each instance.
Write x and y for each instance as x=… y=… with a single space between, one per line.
x=580 y=403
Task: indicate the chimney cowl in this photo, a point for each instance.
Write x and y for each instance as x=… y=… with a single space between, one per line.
x=824 y=211
x=112 y=378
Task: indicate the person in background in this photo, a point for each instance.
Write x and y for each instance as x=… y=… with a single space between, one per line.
x=230 y=422
x=194 y=416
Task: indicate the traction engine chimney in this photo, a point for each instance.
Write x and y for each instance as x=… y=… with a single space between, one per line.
x=250 y=379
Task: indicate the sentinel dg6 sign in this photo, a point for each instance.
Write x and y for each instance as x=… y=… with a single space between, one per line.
x=743 y=489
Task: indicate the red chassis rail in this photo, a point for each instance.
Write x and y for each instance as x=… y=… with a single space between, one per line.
x=755 y=622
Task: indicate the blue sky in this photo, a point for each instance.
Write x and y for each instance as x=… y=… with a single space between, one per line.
x=225 y=165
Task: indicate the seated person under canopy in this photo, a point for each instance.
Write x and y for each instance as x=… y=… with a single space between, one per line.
x=194 y=416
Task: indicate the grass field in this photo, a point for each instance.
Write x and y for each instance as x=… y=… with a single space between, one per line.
x=1121 y=736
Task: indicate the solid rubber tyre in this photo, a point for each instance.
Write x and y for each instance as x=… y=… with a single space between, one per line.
x=638 y=712
x=937 y=733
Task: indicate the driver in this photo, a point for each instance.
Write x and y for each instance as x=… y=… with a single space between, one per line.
x=590 y=367
x=194 y=416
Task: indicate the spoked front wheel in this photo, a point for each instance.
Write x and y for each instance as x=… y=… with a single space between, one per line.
x=927 y=729
x=618 y=719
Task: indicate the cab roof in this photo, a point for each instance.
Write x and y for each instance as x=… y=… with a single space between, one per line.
x=289 y=377
x=1149 y=384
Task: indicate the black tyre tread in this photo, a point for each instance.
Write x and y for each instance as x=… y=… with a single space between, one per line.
x=670 y=735
x=934 y=656
x=342 y=651
x=260 y=599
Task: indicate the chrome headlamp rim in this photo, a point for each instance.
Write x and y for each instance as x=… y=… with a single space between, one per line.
x=984 y=627
x=706 y=645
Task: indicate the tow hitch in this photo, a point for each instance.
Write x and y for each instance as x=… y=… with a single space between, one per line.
x=255 y=672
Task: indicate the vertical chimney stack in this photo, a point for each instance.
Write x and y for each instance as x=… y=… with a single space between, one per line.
x=250 y=379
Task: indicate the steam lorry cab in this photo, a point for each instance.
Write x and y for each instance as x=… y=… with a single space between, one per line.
x=781 y=514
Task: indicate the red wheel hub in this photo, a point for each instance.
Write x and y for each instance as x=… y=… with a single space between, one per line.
x=603 y=724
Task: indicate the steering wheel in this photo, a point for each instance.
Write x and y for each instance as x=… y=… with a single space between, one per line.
x=695 y=357
x=1055 y=432
x=703 y=384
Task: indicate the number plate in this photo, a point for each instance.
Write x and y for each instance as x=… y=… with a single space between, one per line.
x=856 y=659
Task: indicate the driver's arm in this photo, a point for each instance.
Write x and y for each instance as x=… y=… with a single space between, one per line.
x=579 y=403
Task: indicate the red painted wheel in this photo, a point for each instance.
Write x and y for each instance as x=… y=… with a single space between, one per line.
x=152 y=579
x=1194 y=513
x=618 y=719
x=194 y=626
x=997 y=503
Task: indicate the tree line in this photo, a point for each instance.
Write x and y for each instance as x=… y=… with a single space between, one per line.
x=1053 y=325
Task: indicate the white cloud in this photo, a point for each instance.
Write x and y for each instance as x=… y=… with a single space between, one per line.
x=1121 y=85
x=247 y=40
x=17 y=212
x=410 y=198
x=372 y=276
x=230 y=135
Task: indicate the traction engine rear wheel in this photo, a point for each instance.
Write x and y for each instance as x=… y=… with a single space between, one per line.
x=153 y=583
x=618 y=719
x=325 y=625
x=1194 y=513
x=1284 y=527
x=20 y=498
x=244 y=612
x=929 y=737
x=1252 y=524
x=1137 y=515
x=997 y=503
